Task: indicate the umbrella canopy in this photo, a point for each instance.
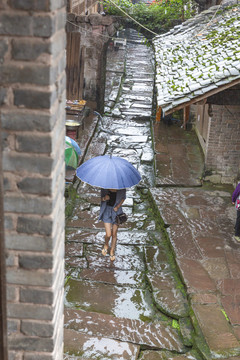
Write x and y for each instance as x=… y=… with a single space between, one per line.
x=71 y=156
x=75 y=145
x=108 y=172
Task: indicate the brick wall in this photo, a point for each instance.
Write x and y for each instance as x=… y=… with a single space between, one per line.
x=32 y=101
x=223 y=147
x=84 y=7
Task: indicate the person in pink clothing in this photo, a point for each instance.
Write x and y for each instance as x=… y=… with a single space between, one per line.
x=236 y=202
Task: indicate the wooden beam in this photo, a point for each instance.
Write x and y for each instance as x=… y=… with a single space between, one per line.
x=186 y=112
x=158 y=114
x=201 y=97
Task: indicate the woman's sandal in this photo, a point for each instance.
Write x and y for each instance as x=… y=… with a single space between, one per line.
x=104 y=250
x=112 y=257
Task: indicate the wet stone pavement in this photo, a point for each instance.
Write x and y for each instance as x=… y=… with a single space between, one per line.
x=168 y=294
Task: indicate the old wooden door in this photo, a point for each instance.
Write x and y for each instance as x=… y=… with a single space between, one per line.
x=75 y=66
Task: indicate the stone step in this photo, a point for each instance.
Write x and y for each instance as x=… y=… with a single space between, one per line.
x=122 y=300
x=85 y=347
x=166 y=293
x=80 y=236
x=136 y=114
x=154 y=335
x=89 y=218
x=216 y=331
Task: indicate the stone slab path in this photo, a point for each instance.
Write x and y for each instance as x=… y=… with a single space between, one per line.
x=117 y=310
x=173 y=290
x=155 y=335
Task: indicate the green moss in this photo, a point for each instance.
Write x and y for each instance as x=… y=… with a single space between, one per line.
x=70 y=196
x=175 y=324
x=199 y=342
x=67 y=279
x=187 y=331
x=224 y=313
x=161 y=227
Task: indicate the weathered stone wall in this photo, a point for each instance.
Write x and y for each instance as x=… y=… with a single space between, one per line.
x=96 y=30
x=32 y=101
x=223 y=148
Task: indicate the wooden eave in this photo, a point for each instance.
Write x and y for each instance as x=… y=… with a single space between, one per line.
x=203 y=96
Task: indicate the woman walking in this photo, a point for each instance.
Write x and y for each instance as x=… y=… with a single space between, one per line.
x=113 y=175
x=111 y=206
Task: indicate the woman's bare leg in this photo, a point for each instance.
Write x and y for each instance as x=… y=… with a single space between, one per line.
x=107 y=237
x=114 y=241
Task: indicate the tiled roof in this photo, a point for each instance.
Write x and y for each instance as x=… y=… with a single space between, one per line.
x=198 y=56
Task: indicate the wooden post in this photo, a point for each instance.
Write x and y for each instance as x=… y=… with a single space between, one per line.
x=3 y=310
x=158 y=114
x=186 y=112
x=69 y=6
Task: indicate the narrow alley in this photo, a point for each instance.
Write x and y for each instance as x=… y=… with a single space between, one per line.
x=175 y=257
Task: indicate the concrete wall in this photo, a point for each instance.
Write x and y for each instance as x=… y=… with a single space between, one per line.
x=32 y=101
x=222 y=155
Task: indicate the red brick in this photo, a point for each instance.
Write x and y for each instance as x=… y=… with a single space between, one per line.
x=231 y=305
x=182 y=242
x=195 y=276
x=230 y=287
x=210 y=246
x=204 y=299
x=216 y=329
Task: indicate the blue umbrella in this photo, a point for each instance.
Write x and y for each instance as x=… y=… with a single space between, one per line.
x=108 y=172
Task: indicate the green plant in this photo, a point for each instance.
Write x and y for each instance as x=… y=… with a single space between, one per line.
x=158 y=15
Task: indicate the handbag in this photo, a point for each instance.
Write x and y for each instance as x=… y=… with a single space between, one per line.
x=121 y=218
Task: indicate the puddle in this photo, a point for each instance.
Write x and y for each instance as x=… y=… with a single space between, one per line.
x=127 y=258
x=115 y=277
x=128 y=130
x=137 y=237
x=123 y=302
x=97 y=348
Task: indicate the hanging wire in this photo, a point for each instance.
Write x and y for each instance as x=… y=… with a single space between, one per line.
x=132 y=18
x=209 y=23
x=84 y=31
x=138 y=23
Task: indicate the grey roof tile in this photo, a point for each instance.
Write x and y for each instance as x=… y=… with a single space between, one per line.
x=194 y=87
x=226 y=81
x=199 y=92
x=198 y=56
